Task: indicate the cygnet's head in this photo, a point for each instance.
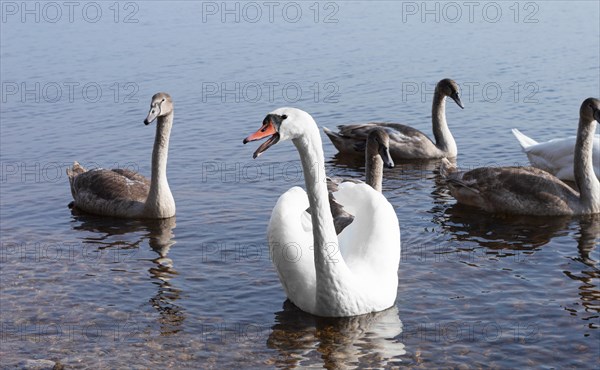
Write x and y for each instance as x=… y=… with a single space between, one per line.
x=161 y=105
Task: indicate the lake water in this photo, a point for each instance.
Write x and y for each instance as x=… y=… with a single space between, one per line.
x=199 y=291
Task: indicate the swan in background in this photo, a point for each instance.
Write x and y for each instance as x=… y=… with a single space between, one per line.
x=529 y=190
x=407 y=142
x=351 y=274
x=377 y=155
x=124 y=193
x=556 y=156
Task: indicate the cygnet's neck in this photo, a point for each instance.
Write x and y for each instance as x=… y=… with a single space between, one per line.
x=373 y=169
x=585 y=178
x=160 y=200
x=443 y=138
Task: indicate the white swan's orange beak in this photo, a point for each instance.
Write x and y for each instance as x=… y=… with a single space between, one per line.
x=267 y=129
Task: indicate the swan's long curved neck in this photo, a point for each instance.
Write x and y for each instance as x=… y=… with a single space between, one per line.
x=443 y=137
x=326 y=250
x=585 y=178
x=159 y=196
x=374 y=170
x=313 y=167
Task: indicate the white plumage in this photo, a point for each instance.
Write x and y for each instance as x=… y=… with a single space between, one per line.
x=557 y=155
x=321 y=273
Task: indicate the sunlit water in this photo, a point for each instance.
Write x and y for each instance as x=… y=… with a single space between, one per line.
x=200 y=290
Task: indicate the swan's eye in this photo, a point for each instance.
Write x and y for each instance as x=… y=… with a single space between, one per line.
x=163 y=99
x=284 y=116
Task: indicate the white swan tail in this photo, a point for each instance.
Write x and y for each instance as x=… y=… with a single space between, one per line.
x=524 y=140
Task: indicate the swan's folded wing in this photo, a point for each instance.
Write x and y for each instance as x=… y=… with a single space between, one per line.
x=356 y=131
x=290 y=244
x=370 y=246
x=514 y=190
x=397 y=132
x=556 y=156
x=553 y=149
x=111 y=185
x=132 y=175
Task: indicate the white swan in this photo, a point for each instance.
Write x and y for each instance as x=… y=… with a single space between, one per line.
x=353 y=274
x=124 y=193
x=529 y=190
x=556 y=156
x=407 y=142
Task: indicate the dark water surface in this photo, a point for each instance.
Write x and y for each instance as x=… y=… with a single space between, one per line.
x=199 y=290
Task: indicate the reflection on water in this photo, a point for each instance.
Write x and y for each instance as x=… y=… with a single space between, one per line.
x=337 y=343
x=116 y=233
x=404 y=170
x=588 y=239
x=172 y=316
x=501 y=232
x=105 y=231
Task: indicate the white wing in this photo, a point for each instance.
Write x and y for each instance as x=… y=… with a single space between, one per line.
x=370 y=245
x=557 y=156
x=290 y=243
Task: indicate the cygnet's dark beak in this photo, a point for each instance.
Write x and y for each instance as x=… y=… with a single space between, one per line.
x=154 y=112
x=456 y=99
